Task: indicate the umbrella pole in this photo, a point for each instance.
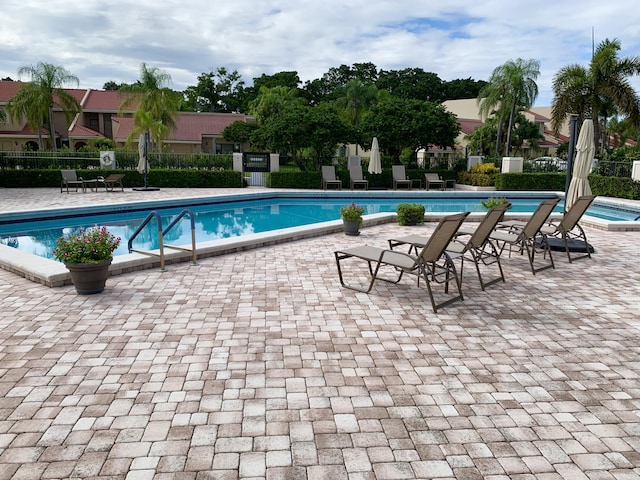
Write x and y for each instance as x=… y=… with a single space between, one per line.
x=573 y=134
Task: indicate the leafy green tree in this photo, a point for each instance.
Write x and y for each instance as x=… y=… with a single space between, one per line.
x=330 y=86
x=463 y=88
x=623 y=130
x=157 y=105
x=482 y=140
x=271 y=101
x=412 y=83
x=216 y=91
x=44 y=92
x=25 y=104
x=239 y=132
x=511 y=88
x=597 y=92
x=406 y=123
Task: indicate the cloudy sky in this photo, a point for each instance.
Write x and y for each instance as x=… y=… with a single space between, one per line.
x=102 y=40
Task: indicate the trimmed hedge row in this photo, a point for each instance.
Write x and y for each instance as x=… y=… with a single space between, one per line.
x=156 y=177
x=617 y=187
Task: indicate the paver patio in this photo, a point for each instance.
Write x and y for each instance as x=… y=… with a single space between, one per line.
x=258 y=365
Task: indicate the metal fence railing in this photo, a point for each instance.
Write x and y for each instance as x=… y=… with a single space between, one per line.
x=127 y=160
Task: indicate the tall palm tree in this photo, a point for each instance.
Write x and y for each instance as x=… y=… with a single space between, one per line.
x=157 y=105
x=356 y=101
x=511 y=88
x=42 y=94
x=25 y=104
x=597 y=92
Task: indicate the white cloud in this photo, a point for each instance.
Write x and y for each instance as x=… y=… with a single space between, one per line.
x=103 y=40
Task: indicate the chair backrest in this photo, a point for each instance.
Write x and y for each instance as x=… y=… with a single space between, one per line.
x=441 y=237
x=432 y=177
x=398 y=172
x=328 y=173
x=69 y=175
x=573 y=216
x=355 y=172
x=539 y=217
x=487 y=225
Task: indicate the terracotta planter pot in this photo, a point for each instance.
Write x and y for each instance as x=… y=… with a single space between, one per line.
x=89 y=278
x=351 y=227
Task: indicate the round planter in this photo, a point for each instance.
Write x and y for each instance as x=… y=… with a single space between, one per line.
x=351 y=227
x=89 y=278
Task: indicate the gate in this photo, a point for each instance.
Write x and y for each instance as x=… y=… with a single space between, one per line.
x=255 y=164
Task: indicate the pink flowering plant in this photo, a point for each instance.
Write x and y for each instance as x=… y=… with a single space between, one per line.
x=93 y=245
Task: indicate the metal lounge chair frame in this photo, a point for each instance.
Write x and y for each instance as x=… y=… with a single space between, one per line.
x=329 y=177
x=567 y=228
x=432 y=263
x=474 y=245
x=112 y=182
x=71 y=179
x=400 y=177
x=528 y=237
x=356 y=178
x=433 y=179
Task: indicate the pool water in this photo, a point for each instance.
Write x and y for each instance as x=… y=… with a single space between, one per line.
x=215 y=221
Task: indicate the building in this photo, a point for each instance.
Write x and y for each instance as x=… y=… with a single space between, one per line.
x=194 y=133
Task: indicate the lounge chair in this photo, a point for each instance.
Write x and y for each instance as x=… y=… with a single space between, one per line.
x=112 y=181
x=475 y=245
x=528 y=237
x=568 y=229
x=432 y=263
x=400 y=177
x=71 y=179
x=356 y=178
x=329 y=177
x=433 y=179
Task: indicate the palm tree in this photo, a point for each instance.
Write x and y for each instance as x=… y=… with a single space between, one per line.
x=42 y=93
x=358 y=98
x=157 y=105
x=24 y=104
x=511 y=88
x=597 y=92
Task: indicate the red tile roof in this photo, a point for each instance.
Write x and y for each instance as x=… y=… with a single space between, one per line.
x=104 y=101
x=191 y=127
x=80 y=131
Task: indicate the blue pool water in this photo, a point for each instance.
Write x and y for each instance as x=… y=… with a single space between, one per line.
x=232 y=218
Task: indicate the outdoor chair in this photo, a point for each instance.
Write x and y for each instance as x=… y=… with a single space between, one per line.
x=71 y=179
x=400 y=177
x=356 y=178
x=112 y=181
x=568 y=230
x=433 y=179
x=528 y=237
x=474 y=245
x=432 y=262
x=329 y=177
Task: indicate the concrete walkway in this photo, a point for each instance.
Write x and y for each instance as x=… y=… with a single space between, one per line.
x=259 y=365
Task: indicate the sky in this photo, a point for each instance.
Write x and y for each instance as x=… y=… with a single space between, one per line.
x=108 y=40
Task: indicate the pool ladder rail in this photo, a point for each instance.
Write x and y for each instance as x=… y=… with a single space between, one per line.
x=161 y=234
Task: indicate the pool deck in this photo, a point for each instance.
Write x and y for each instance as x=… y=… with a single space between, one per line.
x=257 y=364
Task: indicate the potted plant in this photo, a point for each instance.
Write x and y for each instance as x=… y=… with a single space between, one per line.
x=491 y=202
x=352 y=218
x=87 y=255
x=410 y=214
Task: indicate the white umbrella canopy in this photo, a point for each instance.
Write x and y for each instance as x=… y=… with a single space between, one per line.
x=375 y=164
x=585 y=151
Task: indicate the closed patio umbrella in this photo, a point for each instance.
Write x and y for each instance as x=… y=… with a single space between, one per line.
x=375 y=164
x=585 y=152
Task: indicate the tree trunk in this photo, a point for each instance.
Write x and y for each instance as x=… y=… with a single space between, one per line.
x=52 y=130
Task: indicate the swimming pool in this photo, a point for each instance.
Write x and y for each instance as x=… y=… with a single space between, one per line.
x=236 y=216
